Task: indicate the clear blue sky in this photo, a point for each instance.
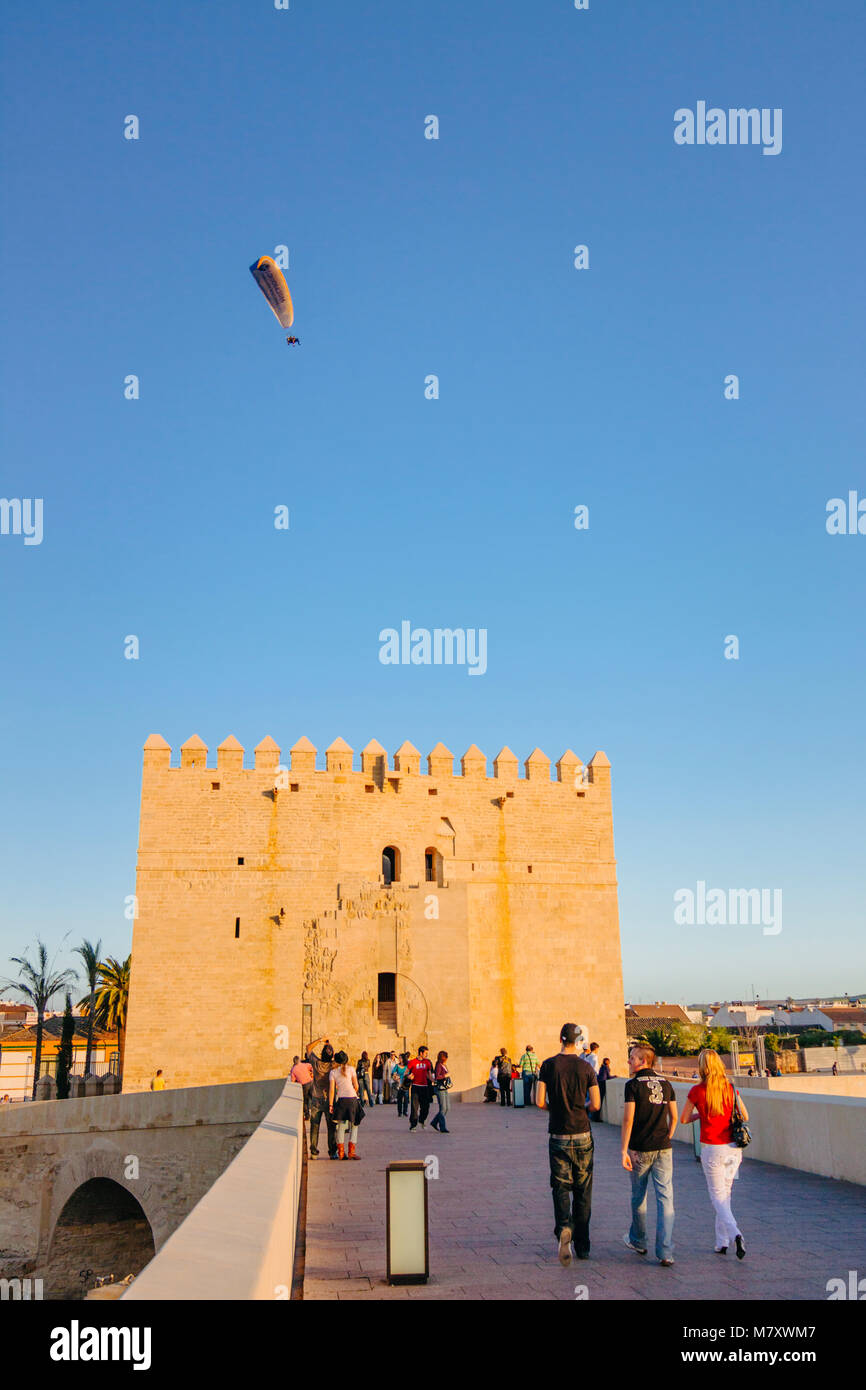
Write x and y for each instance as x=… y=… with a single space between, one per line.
x=558 y=387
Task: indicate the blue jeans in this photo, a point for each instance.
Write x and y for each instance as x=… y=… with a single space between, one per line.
x=658 y=1164
x=571 y=1183
x=364 y=1085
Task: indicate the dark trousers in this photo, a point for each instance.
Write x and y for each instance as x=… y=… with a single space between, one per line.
x=402 y=1101
x=307 y=1087
x=318 y=1108
x=420 y=1105
x=571 y=1184
x=504 y=1089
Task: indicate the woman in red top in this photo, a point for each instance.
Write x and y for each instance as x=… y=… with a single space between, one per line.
x=712 y=1102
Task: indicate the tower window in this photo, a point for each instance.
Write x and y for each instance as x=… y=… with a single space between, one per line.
x=433 y=866
x=237 y=927
x=390 y=865
x=240 y=859
x=214 y=786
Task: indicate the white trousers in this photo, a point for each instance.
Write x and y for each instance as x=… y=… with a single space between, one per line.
x=721 y=1164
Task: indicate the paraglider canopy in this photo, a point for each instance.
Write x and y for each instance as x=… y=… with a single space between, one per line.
x=272 y=283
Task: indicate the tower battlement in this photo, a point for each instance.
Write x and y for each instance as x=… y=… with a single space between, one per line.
x=406 y=762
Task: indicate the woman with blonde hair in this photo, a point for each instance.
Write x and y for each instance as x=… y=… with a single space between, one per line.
x=712 y=1102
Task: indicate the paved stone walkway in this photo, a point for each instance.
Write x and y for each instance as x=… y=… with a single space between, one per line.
x=491 y=1221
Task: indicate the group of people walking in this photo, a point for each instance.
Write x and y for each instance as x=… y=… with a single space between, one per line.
x=568 y=1087
x=505 y=1076
x=336 y=1090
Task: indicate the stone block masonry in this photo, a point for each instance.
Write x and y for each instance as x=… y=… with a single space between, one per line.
x=371 y=905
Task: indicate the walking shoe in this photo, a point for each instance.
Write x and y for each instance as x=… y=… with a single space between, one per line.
x=351 y=1153
x=341 y=1153
x=741 y=1249
x=411 y=1127
x=638 y=1249
x=721 y=1250
x=581 y=1254
x=666 y=1264
x=565 y=1246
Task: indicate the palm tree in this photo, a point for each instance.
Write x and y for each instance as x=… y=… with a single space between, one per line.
x=111 y=1000
x=662 y=1040
x=39 y=983
x=90 y=955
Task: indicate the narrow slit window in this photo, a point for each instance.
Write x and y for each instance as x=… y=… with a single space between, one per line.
x=237 y=927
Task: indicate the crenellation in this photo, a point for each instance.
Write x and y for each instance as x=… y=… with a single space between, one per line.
x=193 y=753
x=267 y=754
x=302 y=756
x=571 y=773
x=474 y=762
x=230 y=755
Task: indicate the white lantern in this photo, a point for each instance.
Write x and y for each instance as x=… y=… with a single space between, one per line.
x=406 y=1208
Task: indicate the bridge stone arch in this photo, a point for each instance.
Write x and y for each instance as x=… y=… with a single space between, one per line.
x=103 y=1159
x=101 y=1231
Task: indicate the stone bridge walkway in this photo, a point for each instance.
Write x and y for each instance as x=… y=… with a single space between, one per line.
x=491 y=1221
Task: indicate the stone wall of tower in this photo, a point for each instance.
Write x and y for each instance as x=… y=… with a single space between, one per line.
x=521 y=933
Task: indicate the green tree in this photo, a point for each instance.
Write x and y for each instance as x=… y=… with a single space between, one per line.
x=112 y=997
x=39 y=983
x=90 y=956
x=719 y=1039
x=64 y=1054
x=689 y=1037
x=662 y=1040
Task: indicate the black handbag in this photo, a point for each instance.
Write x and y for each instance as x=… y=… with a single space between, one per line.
x=740 y=1134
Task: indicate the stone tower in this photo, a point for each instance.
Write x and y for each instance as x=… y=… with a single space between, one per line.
x=381 y=906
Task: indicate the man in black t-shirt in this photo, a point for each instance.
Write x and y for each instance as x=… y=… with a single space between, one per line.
x=649 y=1120
x=565 y=1082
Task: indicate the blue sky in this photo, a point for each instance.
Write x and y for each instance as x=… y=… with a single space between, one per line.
x=558 y=387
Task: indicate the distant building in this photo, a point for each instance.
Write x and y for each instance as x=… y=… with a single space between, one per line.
x=640 y=1017
x=738 y=1015
x=14 y=1015
x=846 y=1018
x=18 y=1054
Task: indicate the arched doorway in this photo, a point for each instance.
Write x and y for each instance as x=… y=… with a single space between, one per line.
x=390 y=865
x=433 y=872
x=101 y=1230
